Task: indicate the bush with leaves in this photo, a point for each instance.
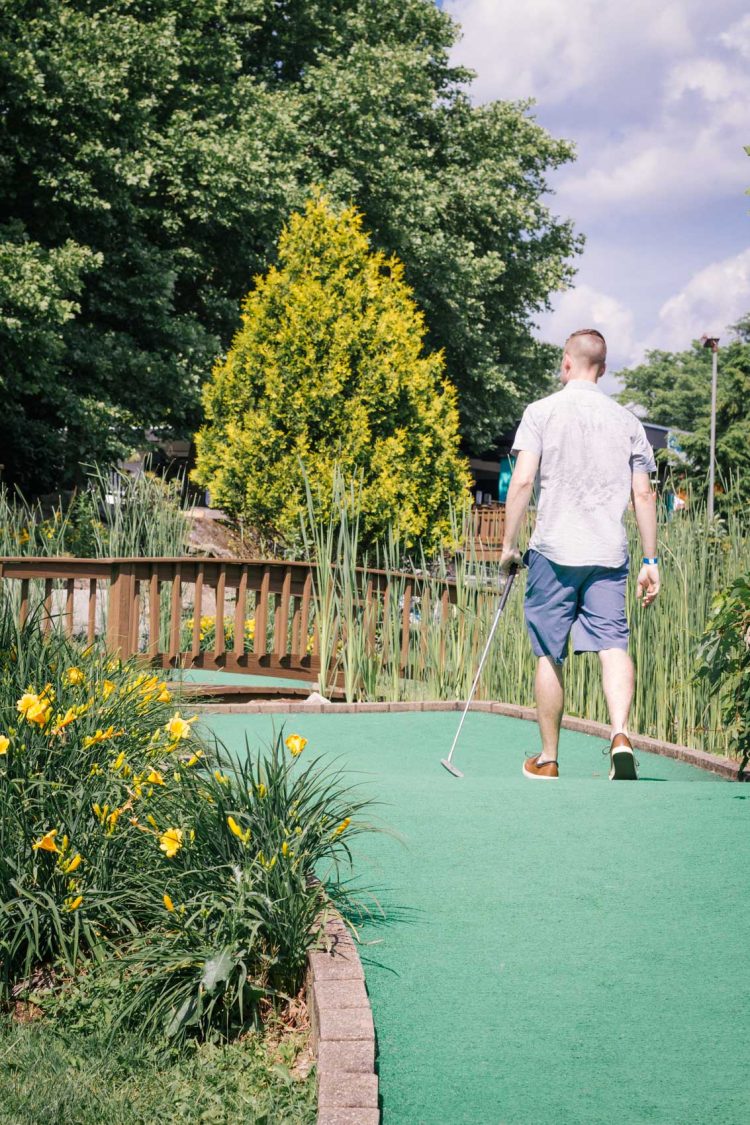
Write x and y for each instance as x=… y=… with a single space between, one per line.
x=724 y=658
x=128 y=838
x=328 y=371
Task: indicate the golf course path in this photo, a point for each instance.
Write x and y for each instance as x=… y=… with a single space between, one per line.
x=557 y=952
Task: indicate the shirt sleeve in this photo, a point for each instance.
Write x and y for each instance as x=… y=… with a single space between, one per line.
x=642 y=455
x=529 y=434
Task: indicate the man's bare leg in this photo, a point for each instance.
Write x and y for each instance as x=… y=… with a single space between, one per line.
x=548 y=687
x=618 y=679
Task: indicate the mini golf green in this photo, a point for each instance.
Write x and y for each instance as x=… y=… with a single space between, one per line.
x=551 y=952
x=243 y=679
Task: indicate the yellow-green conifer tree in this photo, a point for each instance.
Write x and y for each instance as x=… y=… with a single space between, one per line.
x=329 y=367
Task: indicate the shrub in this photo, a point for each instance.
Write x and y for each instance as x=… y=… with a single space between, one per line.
x=126 y=836
x=329 y=368
x=724 y=660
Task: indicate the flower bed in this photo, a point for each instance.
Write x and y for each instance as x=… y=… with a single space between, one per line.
x=137 y=849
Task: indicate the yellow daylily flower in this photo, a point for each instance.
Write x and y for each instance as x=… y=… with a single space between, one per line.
x=196 y=757
x=74 y=676
x=164 y=696
x=179 y=728
x=119 y=761
x=168 y=904
x=296 y=744
x=35 y=708
x=221 y=777
x=4 y=744
x=100 y=736
x=241 y=833
x=72 y=864
x=170 y=842
x=65 y=720
x=47 y=842
x=72 y=904
x=155 y=778
x=107 y=688
x=343 y=826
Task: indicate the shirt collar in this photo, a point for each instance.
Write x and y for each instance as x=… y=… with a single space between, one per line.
x=582 y=385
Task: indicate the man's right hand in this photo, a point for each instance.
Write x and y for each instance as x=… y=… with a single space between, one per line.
x=648 y=584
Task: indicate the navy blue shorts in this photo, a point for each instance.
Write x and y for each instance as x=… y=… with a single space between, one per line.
x=587 y=600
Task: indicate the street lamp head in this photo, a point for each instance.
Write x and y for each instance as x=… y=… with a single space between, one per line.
x=711 y=342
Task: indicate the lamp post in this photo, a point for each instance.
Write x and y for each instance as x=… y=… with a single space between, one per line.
x=712 y=342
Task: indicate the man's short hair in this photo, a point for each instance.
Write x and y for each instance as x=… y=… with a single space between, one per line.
x=587 y=345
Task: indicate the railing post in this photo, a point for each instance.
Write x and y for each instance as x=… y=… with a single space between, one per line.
x=120 y=608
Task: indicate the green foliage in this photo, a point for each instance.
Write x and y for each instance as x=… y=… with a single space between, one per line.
x=149 y=155
x=725 y=660
x=53 y=1074
x=114 y=515
x=675 y=390
x=126 y=837
x=328 y=375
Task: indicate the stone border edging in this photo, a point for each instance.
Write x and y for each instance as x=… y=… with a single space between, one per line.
x=714 y=763
x=342 y=1031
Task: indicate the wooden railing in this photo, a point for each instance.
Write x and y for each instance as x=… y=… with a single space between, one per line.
x=485 y=532
x=253 y=617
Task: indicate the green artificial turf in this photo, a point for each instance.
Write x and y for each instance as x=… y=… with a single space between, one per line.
x=219 y=676
x=551 y=952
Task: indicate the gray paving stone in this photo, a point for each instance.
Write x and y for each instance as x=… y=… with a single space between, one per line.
x=345 y=1090
x=353 y=1056
x=339 y=966
x=349 y=1117
x=340 y=993
x=345 y=1023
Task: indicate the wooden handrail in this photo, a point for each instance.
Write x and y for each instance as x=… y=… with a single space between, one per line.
x=156 y=609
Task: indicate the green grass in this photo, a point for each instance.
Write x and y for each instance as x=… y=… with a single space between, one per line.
x=49 y=1077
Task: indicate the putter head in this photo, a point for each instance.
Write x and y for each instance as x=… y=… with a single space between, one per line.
x=450 y=767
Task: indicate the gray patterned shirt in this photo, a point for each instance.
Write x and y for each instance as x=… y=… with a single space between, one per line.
x=589 y=446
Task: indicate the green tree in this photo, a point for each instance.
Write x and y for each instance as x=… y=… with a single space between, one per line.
x=674 y=388
x=169 y=140
x=329 y=368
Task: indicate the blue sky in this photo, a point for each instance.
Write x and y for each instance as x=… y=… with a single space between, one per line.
x=656 y=98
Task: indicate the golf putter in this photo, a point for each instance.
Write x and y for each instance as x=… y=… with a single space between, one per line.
x=448 y=762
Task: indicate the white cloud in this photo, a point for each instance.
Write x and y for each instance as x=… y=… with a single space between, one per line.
x=737 y=37
x=586 y=307
x=693 y=148
x=713 y=79
x=713 y=299
x=658 y=96
x=548 y=49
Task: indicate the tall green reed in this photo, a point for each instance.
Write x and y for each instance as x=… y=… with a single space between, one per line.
x=444 y=642
x=114 y=515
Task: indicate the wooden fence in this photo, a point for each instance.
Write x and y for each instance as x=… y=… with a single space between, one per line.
x=253 y=617
x=485 y=532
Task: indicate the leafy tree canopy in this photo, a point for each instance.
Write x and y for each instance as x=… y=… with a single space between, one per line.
x=674 y=388
x=328 y=370
x=150 y=153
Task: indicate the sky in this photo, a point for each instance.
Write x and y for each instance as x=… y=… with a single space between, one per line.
x=656 y=98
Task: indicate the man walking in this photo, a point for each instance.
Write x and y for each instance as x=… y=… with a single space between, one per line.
x=592 y=455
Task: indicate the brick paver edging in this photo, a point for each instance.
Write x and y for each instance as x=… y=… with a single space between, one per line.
x=714 y=763
x=342 y=1031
